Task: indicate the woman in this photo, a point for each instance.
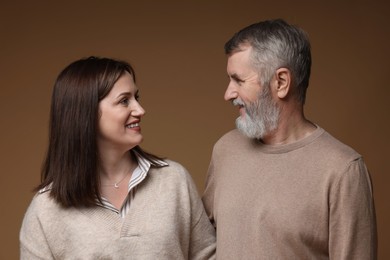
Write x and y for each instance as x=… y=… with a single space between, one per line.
x=101 y=195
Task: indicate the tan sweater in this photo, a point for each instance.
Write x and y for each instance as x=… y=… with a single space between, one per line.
x=307 y=200
x=166 y=221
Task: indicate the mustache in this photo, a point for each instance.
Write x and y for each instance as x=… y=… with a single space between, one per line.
x=238 y=102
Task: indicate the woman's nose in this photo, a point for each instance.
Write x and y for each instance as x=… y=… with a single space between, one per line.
x=138 y=110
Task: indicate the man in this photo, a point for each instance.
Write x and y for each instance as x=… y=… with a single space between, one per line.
x=281 y=187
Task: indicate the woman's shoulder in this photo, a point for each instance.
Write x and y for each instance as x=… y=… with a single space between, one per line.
x=171 y=166
x=175 y=165
x=173 y=172
x=41 y=207
x=42 y=203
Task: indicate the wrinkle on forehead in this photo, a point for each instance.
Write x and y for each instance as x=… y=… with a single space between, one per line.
x=239 y=65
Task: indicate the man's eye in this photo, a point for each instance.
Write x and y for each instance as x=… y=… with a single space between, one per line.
x=239 y=82
x=137 y=97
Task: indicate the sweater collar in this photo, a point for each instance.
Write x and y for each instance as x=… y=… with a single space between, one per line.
x=284 y=148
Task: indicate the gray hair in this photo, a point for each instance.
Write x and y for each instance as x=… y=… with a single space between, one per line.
x=276 y=44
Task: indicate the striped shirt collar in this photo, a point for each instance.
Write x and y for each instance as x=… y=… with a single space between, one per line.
x=139 y=174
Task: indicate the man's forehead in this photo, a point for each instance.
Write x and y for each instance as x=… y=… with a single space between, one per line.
x=239 y=57
x=243 y=47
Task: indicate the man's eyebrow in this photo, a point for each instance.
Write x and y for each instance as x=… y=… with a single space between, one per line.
x=235 y=77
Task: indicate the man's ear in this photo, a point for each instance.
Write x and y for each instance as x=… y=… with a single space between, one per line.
x=282 y=82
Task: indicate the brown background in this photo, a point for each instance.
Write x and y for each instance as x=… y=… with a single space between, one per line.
x=176 y=48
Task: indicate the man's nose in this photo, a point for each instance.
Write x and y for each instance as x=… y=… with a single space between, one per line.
x=231 y=92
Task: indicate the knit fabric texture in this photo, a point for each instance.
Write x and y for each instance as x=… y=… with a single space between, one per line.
x=311 y=199
x=166 y=220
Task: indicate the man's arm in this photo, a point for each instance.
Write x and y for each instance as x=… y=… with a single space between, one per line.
x=352 y=223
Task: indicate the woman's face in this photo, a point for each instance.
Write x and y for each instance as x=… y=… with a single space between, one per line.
x=120 y=117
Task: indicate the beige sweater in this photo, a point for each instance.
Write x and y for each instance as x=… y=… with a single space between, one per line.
x=307 y=200
x=166 y=221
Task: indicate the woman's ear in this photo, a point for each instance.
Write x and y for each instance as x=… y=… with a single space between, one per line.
x=282 y=82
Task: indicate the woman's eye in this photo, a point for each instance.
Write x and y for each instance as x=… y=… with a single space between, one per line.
x=124 y=101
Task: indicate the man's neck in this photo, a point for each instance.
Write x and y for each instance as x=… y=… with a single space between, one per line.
x=291 y=128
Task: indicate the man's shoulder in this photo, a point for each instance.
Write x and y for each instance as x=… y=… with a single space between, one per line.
x=333 y=147
x=231 y=137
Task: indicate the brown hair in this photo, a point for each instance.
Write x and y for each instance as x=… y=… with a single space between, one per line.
x=71 y=163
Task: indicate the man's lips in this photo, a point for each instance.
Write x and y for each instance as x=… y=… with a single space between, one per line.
x=241 y=106
x=239 y=103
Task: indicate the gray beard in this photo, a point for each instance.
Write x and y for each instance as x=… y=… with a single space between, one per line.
x=262 y=116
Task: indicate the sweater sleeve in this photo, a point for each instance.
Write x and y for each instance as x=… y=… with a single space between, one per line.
x=202 y=236
x=33 y=243
x=352 y=225
x=208 y=195
x=202 y=239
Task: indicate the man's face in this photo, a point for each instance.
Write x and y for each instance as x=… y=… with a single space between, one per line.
x=259 y=113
